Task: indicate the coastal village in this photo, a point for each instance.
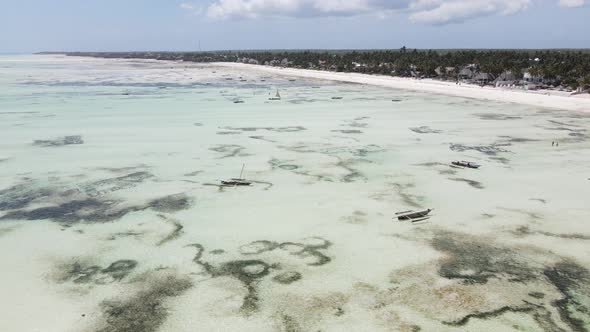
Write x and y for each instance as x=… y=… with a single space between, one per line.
x=527 y=79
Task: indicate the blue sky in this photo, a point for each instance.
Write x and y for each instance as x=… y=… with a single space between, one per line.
x=137 y=25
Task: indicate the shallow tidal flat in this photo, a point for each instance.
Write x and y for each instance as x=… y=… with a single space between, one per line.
x=112 y=217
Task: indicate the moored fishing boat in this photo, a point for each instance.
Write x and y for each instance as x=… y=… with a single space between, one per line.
x=237 y=182
x=413 y=216
x=467 y=164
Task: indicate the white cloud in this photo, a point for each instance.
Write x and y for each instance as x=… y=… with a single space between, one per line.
x=449 y=11
x=572 y=3
x=194 y=9
x=300 y=8
x=419 y=11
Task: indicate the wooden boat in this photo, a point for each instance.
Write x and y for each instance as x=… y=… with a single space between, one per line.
x=236 y=183
x=337 y=98
x=239 y=182
x=239 y=101
x=276 y=97
x=413 y=216
x=467 y=164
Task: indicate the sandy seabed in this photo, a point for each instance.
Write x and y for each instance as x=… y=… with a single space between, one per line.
x=112 y=217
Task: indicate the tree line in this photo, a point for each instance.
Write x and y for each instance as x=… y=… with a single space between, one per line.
x=564 y=67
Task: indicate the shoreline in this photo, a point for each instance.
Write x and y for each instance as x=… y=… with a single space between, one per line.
x=548 y=99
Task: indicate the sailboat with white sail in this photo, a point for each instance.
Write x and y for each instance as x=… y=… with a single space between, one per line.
x=276 y=97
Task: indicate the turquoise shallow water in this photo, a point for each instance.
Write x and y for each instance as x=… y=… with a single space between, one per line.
x=132 y=225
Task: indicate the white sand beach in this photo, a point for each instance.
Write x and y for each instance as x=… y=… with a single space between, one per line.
x=551 y=99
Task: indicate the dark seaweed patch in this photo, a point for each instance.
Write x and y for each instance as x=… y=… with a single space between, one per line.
x=357 y=217
x=489 y=314
x=309 y=250
x=278 y=163
x=175 y=233
x=365 y=151
x=573 y=281
x=472 y=183
x=67 y=140
x=228 y=133
x=475 y=261
x=246 y=271
x=353 y=174
x=531 y=215
x=559 y=123
x=21 y=195
x=302 y=250
x=510 y=139
x=120 y=269
x=526 y=231
x=289 y=167
x=289 y=129
x=290 y=324
x=540 y=200
x=121 y=169
x=80 y=207
x=195 y=173
x=490 y=150
x=124 y=234
x=172 y=203
x=496 y=116
x=262 y=138
x=502 y=160
x=91 y=210
x=145 y=311
x=431 y=164
x=348 y=131
x=287 y=278
x=425 y=130
x=250 y=271
x=102 y=187
x=228 y=150
x=355 y=124
x=81 y=273
x=78 y=210
x=258 y=247
x=267 y=184
x=408 y=198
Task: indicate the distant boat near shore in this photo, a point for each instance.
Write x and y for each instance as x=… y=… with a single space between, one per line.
x=276 y=97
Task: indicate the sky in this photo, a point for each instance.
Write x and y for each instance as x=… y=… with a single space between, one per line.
x=191 y=25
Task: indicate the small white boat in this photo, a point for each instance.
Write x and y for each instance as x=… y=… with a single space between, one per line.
x=276 y=97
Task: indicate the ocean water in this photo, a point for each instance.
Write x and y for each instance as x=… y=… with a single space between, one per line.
x=112 y=217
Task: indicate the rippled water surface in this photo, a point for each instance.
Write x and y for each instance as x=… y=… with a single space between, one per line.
x=112 y=217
